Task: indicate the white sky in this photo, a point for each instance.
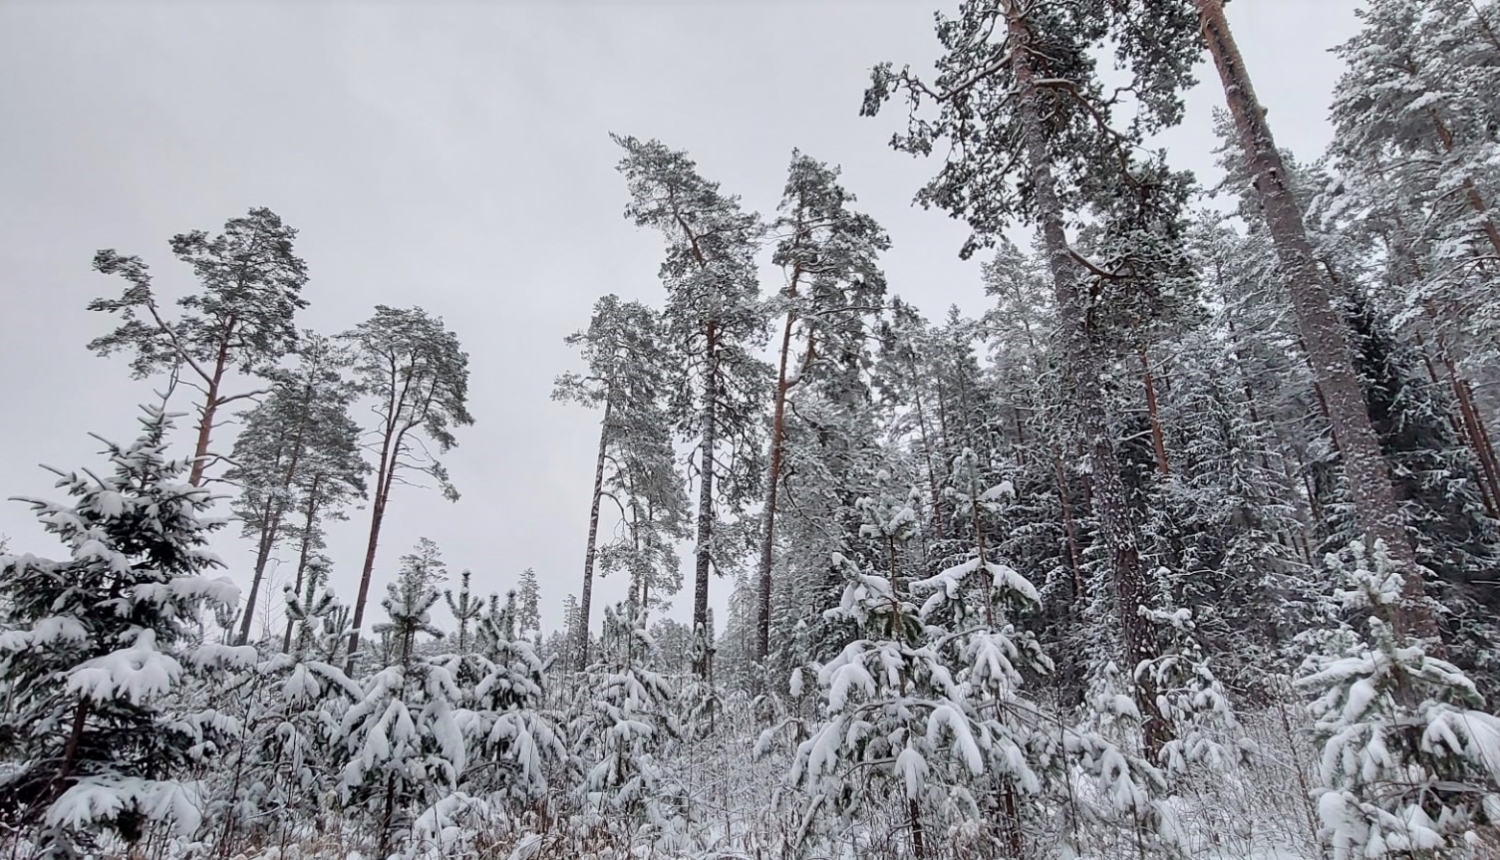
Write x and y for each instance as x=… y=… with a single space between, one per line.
x=456 y=157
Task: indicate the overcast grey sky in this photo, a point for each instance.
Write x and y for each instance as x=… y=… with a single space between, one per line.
x=456 y=156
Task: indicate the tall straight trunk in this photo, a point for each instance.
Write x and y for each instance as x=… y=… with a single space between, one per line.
x=590 y=551
x=1486 y=447
x=1324 y=333
x=773 y=481
x=1472 y=426
x=1111 y=505
x=704 y=549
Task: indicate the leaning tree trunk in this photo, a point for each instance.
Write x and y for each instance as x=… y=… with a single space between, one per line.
x=1111 y=505
x=773 y=482
x=1153 y=411
x=268 y=534
x=383 y=480
x=210 y=408
x=704 y=549
x=271 y=531
x=1324 y=332
x=590 y=551
x=309 y=521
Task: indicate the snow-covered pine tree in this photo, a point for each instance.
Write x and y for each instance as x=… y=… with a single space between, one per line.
x=1313 y=294
x=1456 y=540
x=528 y=606
x=307 y=611
x=891 y=711
x=512 y=743
x=1033 y=98
x=627 y=378
x=895 y=735
x=1413 y=119
x=969 y=613
x=241 y=320
x=418 y=377
x=624 y=733
x=94 y=647
x=297 y=461
x=833 y=284
x=714 y=319
x=278 y=779
x=403 y=743
x=1410 y=764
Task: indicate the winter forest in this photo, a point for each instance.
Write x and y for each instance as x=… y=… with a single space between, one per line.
x=1188 y=546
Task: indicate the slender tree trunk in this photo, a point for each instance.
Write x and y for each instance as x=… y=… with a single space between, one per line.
x=70 y=748
x=273 y=525
x=1471 y=191
x=205 y=430
x=388 y=816
x=1323 y=328
x=1158 y=439
x=1466 y=425
x=1471 y=427
x=1070 y=529
x=773 y=485
x=1117 y=528
x=918 y=840
x=1482 y=439
x=705 y=536
x=383 y=476
x=582 y=633
x=309 y=522
x=932 y=477
x=262 y=557
x=210 y=408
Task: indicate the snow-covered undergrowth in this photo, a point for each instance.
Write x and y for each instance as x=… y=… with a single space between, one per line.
x=741 y=808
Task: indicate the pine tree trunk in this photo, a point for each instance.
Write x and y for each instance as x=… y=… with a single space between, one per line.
x=1486 y=447
x=1472 y=428
x=210 y=408
x=1070 y=528
x=590 y=551
x=309 y=520
x=1471 y=191
x=932 y=477
x=773 y=485
x=1473 y=435
x=205 y=430
x=273 y=526
x=1158 y=438
x=1324 y=332
x=262 y=557
x=70 y=748
x=918 y=838
x=1468 y=424
x=704 y=549
x=1117 y=529
x=383 y=477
